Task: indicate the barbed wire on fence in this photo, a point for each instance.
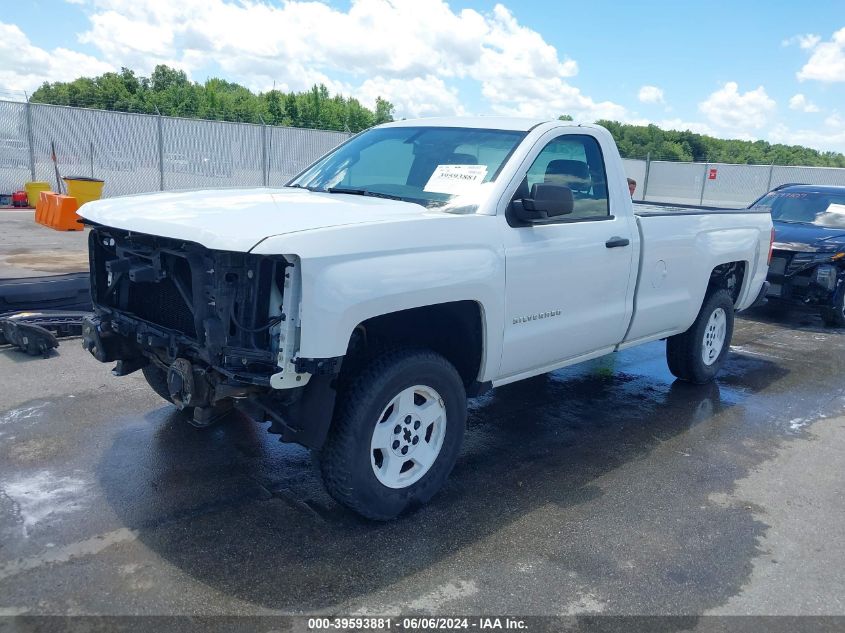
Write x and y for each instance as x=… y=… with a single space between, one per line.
x=199 y=113
x=192 y=111
x=709 y=159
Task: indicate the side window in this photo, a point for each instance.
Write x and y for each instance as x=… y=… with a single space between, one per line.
x=574 y=161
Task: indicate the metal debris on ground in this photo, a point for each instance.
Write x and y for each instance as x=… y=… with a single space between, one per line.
x=38 y=333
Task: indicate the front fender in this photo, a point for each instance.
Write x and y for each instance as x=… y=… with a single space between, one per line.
x=344 y=286
x=337 y=296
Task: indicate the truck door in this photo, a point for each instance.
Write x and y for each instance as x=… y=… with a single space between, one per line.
x=567 y=282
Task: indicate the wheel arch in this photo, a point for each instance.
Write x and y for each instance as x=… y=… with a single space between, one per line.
x=730 y=276
x=455 y=330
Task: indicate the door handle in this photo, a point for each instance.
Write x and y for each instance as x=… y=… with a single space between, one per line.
x=616 y=242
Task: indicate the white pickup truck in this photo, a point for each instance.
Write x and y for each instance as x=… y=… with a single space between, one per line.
x=418 y=264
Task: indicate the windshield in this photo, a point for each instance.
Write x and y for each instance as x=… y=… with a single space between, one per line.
x=822 y=209
x=426 y=165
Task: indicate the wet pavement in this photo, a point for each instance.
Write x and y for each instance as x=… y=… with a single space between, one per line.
x=603 y=488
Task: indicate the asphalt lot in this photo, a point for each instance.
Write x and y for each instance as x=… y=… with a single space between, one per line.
x=603 y=488
x=31 y=250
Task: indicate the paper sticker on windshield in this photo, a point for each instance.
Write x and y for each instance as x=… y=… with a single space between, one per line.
x=455 y=179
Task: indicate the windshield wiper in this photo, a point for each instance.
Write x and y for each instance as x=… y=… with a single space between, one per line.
x=364 y=192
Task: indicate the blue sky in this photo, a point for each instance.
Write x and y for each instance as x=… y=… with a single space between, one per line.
x=748 y=69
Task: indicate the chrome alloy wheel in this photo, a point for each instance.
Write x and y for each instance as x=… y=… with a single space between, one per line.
x=408 y=436
x=714 y=336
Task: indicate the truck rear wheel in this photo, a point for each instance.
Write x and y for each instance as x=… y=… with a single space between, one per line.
x=396 y=434
x=697 y=354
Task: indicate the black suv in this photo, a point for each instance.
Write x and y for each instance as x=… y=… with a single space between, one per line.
x=808 y=256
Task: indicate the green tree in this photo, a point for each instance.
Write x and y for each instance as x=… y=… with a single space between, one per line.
x=639 y=141
x=170 y=92
x=384 y=111
x=165 y=78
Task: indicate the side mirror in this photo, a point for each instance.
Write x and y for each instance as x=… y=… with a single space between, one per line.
x=546 y=203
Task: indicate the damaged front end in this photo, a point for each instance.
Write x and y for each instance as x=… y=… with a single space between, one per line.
x=805 y=276
x=222 y=326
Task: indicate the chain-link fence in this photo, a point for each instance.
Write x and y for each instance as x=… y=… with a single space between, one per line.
x=719 y=184
x=136 y=153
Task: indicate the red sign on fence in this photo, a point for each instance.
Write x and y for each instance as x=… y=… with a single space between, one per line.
x=712 y=175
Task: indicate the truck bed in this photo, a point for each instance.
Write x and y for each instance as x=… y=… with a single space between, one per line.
x=678 y=248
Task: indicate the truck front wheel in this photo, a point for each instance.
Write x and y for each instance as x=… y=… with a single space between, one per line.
x=157 y=380
x=697 y=354
x=396 y=433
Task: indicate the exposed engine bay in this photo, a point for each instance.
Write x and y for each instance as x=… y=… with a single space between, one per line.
x=215 y=323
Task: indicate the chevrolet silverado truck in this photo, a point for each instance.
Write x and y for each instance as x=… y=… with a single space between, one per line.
x=416 y=265
x=808 y=254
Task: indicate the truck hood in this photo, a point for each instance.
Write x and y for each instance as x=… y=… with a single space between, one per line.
x=808 y=237
x=238 y=219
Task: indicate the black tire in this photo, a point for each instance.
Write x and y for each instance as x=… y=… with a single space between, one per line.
x=684 y=351
x=346 y=460
x=834 y=315
x=157 y=380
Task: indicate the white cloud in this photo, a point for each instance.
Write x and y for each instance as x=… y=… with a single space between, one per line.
x=827 y=61
x=651 y=94
x=24 y=67
x=681 y=125
x=729 y=109
x=804 y=41
x=800 y=102
x=808 y=41
x=414 y=50
x=835 y=122
x=547 y=98
x=829 y=137
x=417 y=97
